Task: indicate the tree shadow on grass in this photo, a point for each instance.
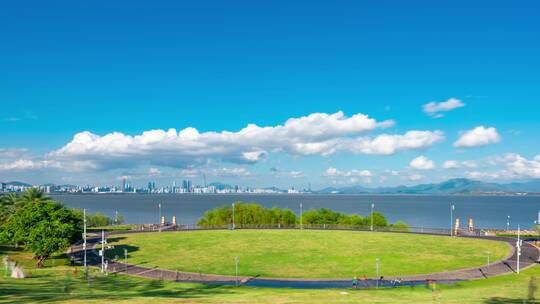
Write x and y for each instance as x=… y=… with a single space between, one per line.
x=499 y=300
x=115 y=239
x=46 y=289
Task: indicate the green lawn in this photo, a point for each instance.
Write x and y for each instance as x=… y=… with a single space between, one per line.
x=305 y=254
x=63 y=284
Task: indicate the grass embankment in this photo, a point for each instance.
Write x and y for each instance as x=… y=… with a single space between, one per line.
x=305 y=254
x=63 y=284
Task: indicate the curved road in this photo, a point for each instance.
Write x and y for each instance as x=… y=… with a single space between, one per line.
x=529 y=257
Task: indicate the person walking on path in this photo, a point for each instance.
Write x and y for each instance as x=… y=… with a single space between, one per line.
x=355 y=283
x=364 y=282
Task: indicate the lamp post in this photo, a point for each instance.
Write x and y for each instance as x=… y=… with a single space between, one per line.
x=377 y=271
x=372 y=206
x=508 y=223
x=519 y=242
x=125 y=258
x=236 y=269
x=102 y=251
x=488 y=261
x=159 y=222
x=452 y=208
x=84 y=243
x=233 y=224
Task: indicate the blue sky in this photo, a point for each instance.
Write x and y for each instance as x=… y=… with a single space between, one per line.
x=133 y=66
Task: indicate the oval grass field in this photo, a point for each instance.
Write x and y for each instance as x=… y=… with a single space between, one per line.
x=305 y=253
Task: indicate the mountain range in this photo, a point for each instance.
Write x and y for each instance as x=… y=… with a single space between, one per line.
x=452 y=186
x=457 y=186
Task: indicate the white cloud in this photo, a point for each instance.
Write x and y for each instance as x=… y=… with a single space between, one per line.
x=514 y=166
x=454 y=164
x=451 y=164
x=519 y=167
x=479 y=136
x=217 y=172
x=333 y=172
x=482 y=175
x=435 y=109
x=8 y=153
x=281 y=173
x=154 y=172
x=316 y=134
x=295 y=174
x=422 y=163
x=29 y=164
x=230 y=172
x=386 y=144
x=415 y=177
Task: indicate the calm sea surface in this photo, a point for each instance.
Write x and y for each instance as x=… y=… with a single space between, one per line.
x=427 y=211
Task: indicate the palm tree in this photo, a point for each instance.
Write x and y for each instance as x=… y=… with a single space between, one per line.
x=8 y=204
x=33 y=195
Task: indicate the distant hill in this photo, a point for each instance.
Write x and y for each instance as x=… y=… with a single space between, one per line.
x=452 y=186
x=17 y=184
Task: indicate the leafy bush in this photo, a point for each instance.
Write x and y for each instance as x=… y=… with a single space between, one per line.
x=254 y=214
x=247 y=214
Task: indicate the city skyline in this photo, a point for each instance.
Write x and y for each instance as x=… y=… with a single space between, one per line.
x=278 y=98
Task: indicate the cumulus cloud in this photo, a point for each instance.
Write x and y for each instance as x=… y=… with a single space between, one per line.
x=316 y=134
x=9 y=153
x=154 y=172
x=30 y=164
x=479 y=136
x=422 y=163
x=333 y=172
x=415 y=177
x=514 y=166
x=386 y=144
x=217 y=172
x=435 y=109
x=284 y=173
x=454 y=164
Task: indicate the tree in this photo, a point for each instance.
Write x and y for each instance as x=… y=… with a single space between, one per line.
x=378 y=220
x=44 y=227
x=8 y=205
x=247 y=214
x=34 y=195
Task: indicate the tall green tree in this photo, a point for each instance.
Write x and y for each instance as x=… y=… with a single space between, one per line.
x=8 y=205
x=34 y=195
x=44 y=227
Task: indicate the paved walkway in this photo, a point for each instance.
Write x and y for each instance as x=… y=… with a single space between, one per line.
x=530 y=255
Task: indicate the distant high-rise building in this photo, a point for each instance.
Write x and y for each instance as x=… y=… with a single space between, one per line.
x=124 y=184
x=151 y=186
x=186 y=185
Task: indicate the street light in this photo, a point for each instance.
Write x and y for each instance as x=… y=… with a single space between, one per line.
x=508 y=223
x=452 y=208
x=519 y=242
x=160 y=216
x=488 y=261
x=372 y=206
x=236 y=268
x=102 y=251
x=125 y=258
x=84 y=243
x=233 y=225
x=377 y=271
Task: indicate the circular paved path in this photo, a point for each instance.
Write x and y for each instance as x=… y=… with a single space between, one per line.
x=530 y=255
